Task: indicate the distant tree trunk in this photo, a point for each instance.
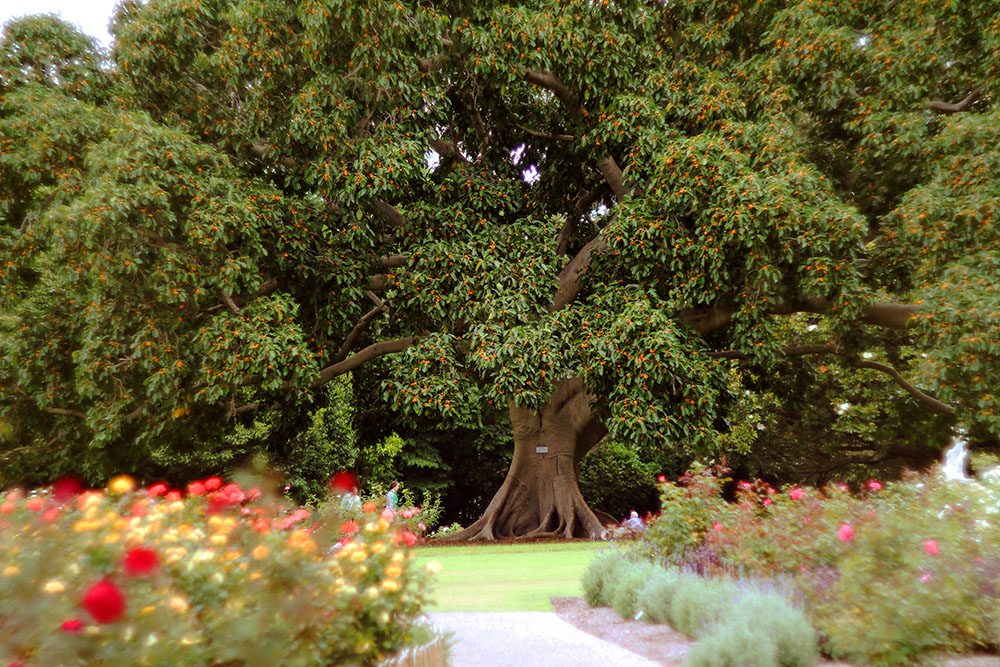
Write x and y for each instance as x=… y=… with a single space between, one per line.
x=540 y=496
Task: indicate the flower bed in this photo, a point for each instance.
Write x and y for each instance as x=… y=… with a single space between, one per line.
x=219 y=575
x=887 y=575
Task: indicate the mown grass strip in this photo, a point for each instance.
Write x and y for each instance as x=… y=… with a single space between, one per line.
x=506 y=577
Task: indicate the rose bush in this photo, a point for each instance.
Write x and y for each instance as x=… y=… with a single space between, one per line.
x=892 y=573
x=217 y=575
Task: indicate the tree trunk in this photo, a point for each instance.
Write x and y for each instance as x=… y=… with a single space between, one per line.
x=540 y=496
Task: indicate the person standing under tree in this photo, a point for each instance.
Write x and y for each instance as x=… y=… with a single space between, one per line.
x=391 y=498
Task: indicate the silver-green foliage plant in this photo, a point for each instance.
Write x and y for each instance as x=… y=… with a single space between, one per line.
x=629 y=580
x=656 y=596
x=599 y=578
x=760 y=629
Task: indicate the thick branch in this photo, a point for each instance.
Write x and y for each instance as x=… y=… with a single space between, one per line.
x=567 y=138
x=235 y=302
x=367 y=354
x=68 y=413
x=260 y=149
x=910 y=389
x=882 y=314
x=359 y=328
x=801 y=350
x=955 y=107
x=393 y=261
x=553 y=83
x=390 y=214
x=447 y=149
x=380 y=282
x=613 y=175
x=569 y=277
x=228 y=300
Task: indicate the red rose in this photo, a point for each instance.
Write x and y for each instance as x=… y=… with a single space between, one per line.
x=66 y=488
x=139 y=562
x=349 y=527
x=104 y=602
x=173 y=495
x=196 y=489
x=51 y=514
x=157 y=490
x=73 y=625
x=213 y=483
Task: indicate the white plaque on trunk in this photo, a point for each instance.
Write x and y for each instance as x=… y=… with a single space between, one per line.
x=541 y=450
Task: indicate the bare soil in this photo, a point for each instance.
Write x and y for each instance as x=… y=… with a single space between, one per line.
x=665 y=646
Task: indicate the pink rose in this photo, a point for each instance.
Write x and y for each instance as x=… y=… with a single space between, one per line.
x=661 y=478
x=717 y=527
x=845 y=532
x=73 y=626
x=931 y=547
x=796 y=494
x=875 y=485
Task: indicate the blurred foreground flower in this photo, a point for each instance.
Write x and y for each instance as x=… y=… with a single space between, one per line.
x=104 y=602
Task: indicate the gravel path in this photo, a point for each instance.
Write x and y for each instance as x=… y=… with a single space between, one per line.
x=527 y=639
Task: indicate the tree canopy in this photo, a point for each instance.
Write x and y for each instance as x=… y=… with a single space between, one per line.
x=662 y=208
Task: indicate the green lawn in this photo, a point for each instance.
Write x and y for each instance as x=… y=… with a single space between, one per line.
x=506 y=577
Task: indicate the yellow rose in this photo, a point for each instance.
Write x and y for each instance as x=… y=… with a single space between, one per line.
x=121 y=484
x=81 y=526
x=390 y=585
x=178 y=603
x=54 y=586
x=11 y=570
x=378 y=547
x=393 y=571
x=260 y=551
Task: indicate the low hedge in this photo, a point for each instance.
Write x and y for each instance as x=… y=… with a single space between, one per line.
x=736 y=624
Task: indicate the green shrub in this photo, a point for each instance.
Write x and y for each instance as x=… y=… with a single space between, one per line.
x=630 y=579
x=699 y=603
x=599 y=577
x=657 y=594
x=614 y=479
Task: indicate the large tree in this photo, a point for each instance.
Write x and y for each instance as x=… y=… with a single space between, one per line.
x=600 y=216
